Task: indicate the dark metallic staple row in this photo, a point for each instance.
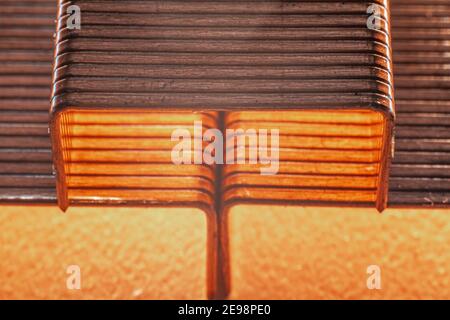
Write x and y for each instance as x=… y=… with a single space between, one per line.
x=421 y=169
x=26 y=30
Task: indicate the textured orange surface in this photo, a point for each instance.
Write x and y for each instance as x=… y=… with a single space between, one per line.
x=276 y=253
x=122 y=253
x=317 y=253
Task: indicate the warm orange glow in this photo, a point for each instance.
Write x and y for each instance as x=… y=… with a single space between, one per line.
x=123 y=253
x=325 y=155
x=126 y=156
x=281 y=252
x=309 y=116
x=275 y=253
x=311 y=194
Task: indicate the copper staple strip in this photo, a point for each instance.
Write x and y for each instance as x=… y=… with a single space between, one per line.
x=420 y=173
x=26 y=30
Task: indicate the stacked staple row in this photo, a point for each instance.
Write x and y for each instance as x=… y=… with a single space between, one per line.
x=112 y=133
x=26 y=29
x=320 y=57
x=330 y=157
x=125 y=157
x=335 y=148
x=421 y=169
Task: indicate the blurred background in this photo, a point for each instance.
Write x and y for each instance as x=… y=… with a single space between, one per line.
x=275 y=253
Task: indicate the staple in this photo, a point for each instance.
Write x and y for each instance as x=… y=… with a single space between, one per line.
x=25 y=80
x=420 y=170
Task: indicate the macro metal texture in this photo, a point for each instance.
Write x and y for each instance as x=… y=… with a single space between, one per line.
x=220 y=55
x=334 y=149
x=155 y=56
x=138 y=70
x=112 y=146
x=420 y=174
x=337 y=156
x=26 y=46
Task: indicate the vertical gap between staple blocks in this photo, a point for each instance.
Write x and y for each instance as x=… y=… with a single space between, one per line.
x=220 y=275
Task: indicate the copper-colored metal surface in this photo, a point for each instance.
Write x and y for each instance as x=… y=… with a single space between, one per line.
x=110 y=147
x=199 y=56
x=419 y=172
x=125 y=158
x=338 y=156
x=138 y=70
x=334 y=157
x=327 y=157
x=421 y=169
x=26 y=30
x=168 y=57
